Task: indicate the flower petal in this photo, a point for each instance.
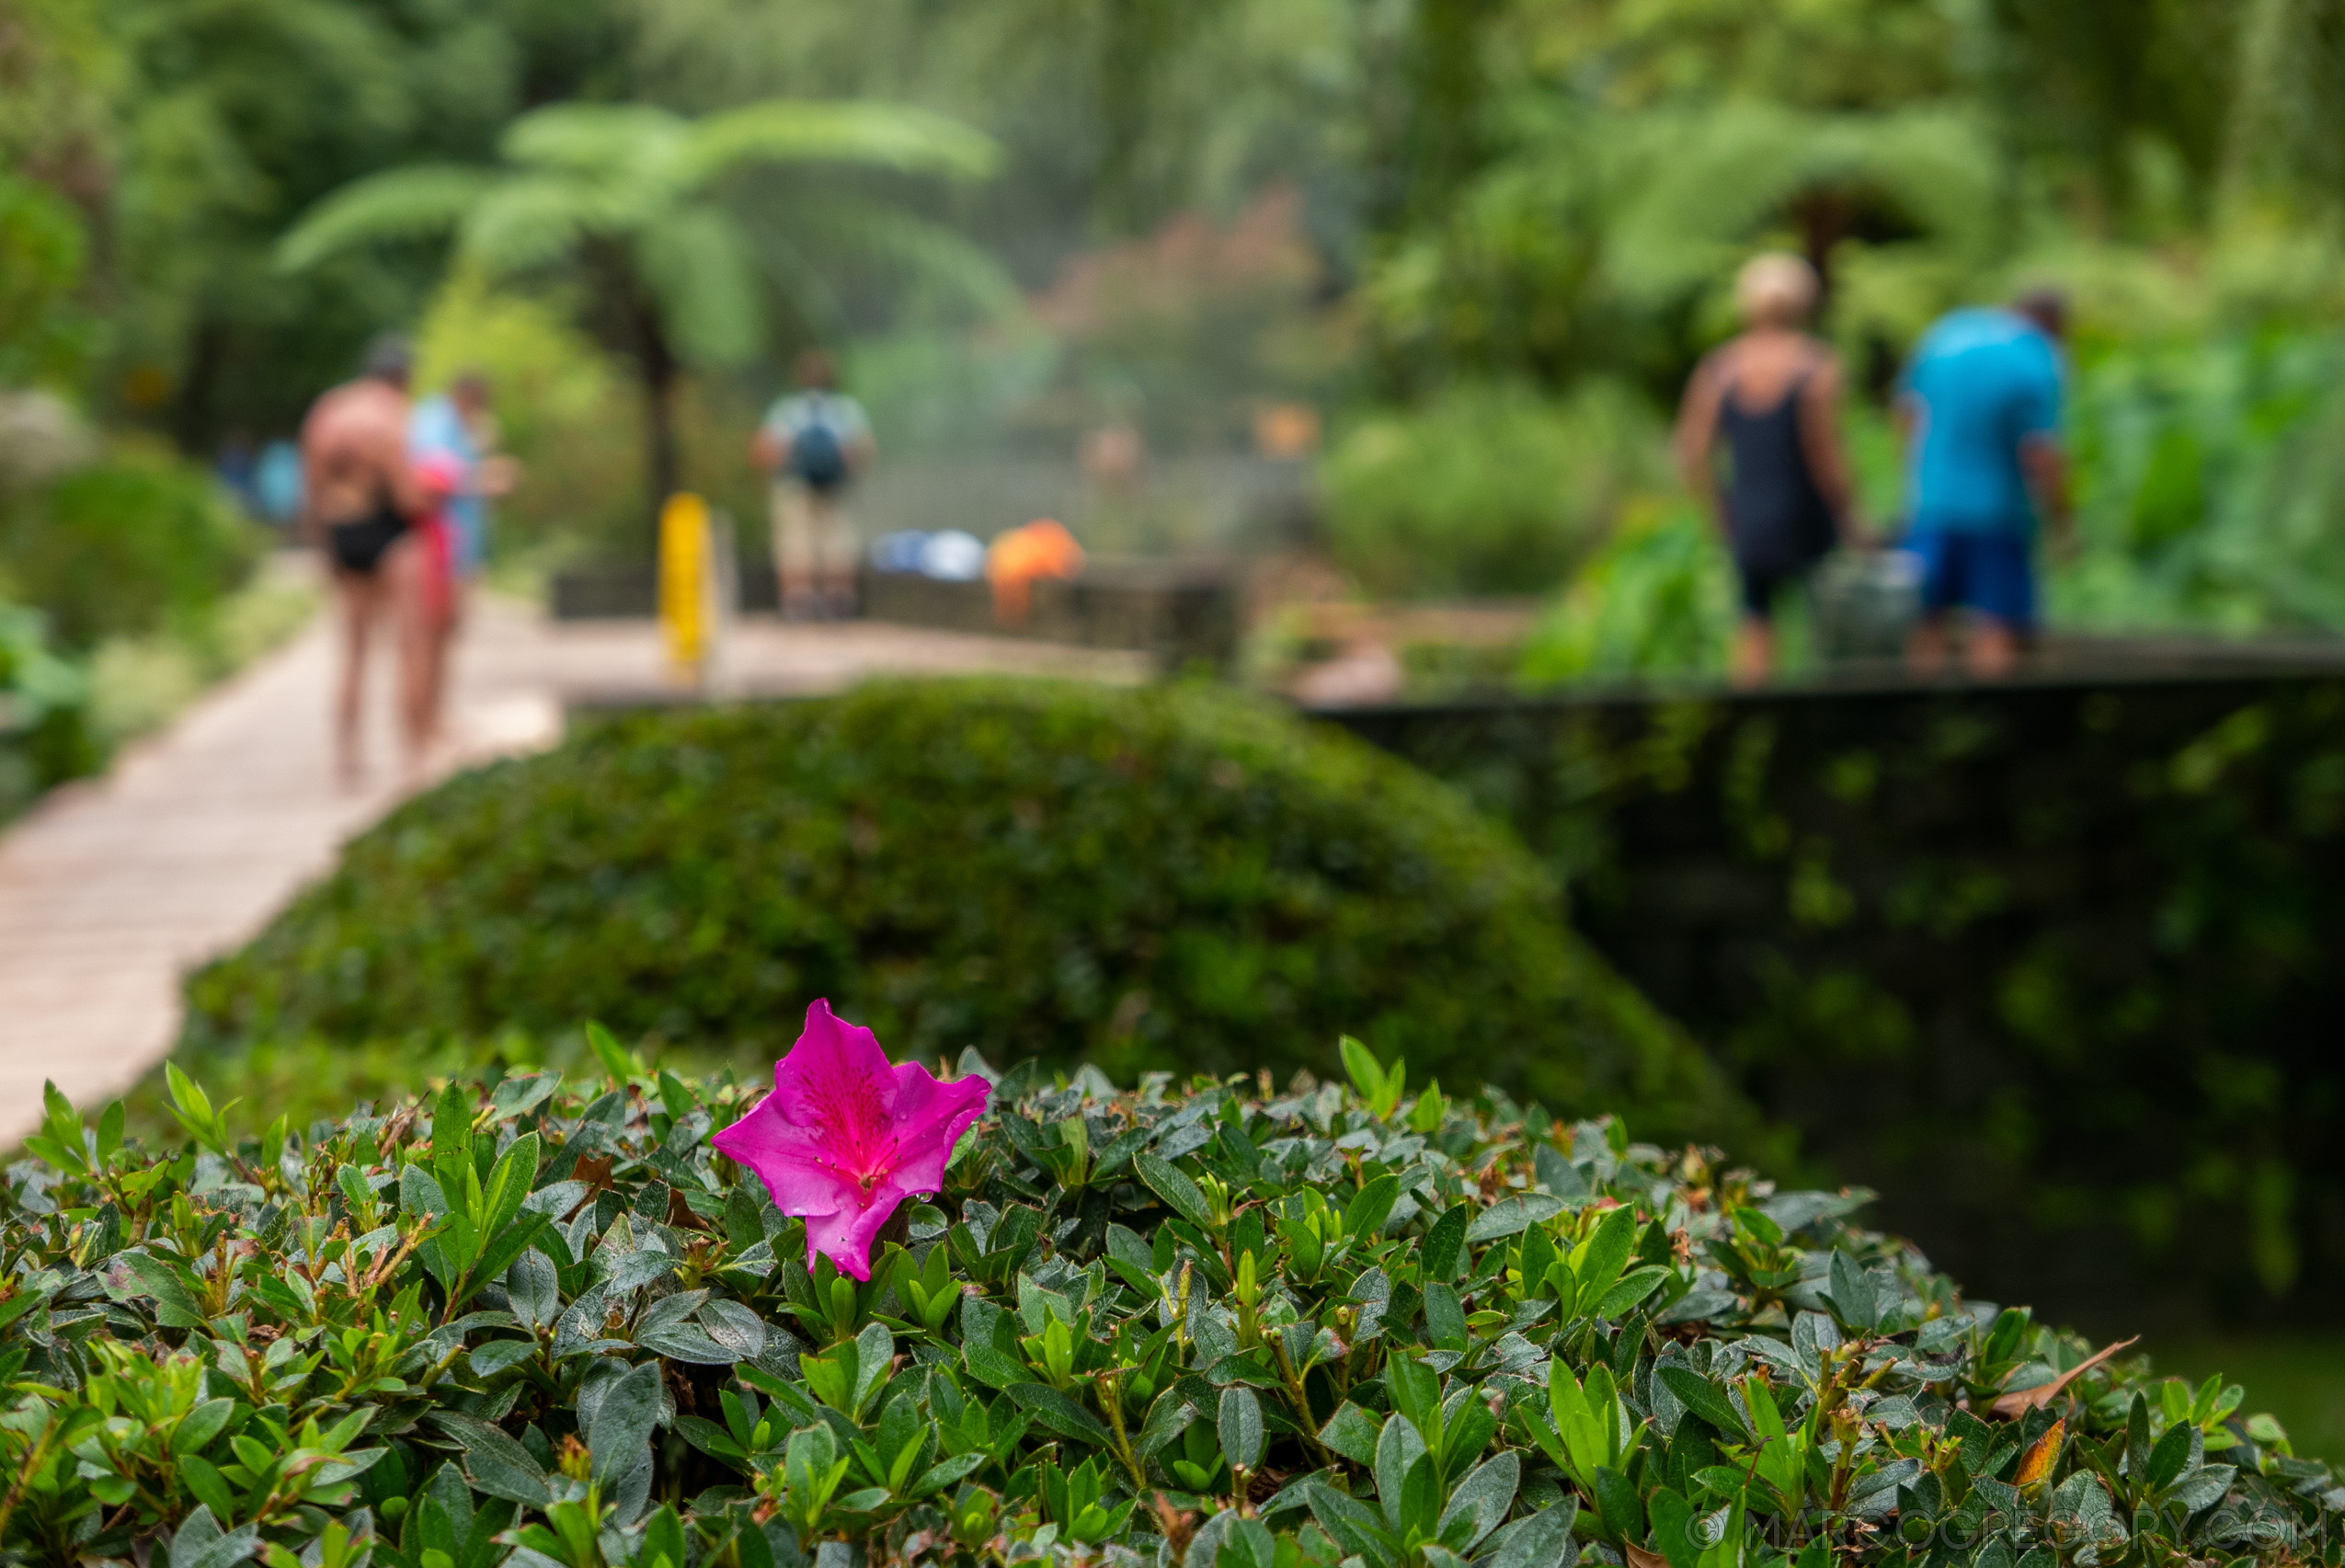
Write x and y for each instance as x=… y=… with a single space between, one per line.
x=845 y=1237
x=835 y=1085
x=929 y=1117
x=794 y=1168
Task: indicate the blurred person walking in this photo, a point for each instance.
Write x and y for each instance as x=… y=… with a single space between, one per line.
x=1772 y=397
x=452 y=438
x=361 y=496
x=1980 y=409
x=814 y=442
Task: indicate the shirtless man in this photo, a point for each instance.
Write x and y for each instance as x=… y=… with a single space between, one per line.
x=361 y=496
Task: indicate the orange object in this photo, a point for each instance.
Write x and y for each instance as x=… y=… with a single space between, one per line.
x=1015 y=560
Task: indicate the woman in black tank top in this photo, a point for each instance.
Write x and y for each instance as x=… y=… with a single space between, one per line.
x=1768 y=397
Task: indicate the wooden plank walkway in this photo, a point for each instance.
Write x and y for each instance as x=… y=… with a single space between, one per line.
x=112 y=888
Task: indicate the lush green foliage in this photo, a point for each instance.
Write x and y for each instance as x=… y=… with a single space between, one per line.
x=1486 y=490
x=2050 y=967
x=1171 y=878
x=1182 y=1325
x=44 y=712
x=2211 y=485
x=126 y=545
x=1658 y=598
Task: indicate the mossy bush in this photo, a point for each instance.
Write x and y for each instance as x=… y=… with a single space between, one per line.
x=534 y=1323
x=1174 y=879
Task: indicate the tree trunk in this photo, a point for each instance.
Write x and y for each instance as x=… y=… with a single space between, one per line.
x=661 y=449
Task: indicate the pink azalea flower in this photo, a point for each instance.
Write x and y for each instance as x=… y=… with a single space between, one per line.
x=844 y=1137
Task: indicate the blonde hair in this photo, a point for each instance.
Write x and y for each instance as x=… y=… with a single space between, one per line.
x=1777 y=289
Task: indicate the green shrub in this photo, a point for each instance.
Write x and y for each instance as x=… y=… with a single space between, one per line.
x=1657 y=599
x=131 y=544
x=1176 y=878
x=45 y=734
x=1485 y=490
x=1402 y=1334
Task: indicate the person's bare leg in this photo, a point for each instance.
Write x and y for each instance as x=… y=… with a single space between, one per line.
x=1925 y=648
x=361 y=602
x=443 y=654
x=836 y=546
x=1753 y=659
x=403 y=584
x=1990 y=650
x=798 y=552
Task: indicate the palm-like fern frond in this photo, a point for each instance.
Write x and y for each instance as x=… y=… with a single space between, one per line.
x=1701 y=187
x=893 y=136
x=699 y=267
x=409 y=203
x=593 y=138
x=876 y=235
x=528 y=222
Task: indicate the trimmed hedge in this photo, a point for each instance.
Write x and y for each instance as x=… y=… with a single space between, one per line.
x=535 y=1323
x=1174 y=879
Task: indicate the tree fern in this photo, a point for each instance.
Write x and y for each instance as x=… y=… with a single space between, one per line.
x=632 y=195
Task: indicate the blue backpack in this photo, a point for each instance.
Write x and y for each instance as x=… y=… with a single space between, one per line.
x=818 y=457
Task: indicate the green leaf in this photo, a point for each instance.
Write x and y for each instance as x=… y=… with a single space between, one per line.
x=939 y=1476
x=623 y=1424
x=1399 y=1449
x=663 y=1541
x=1061 y=1414
x=2201 y=1488
x=1179 y=1193
x=1482 y=1499
x=2168 y=1458
x=1241 y=1429
x=211 y=1490
x=1632 y=1289
x=1167 y=1419
x=1421 y=1499
x=1360 y=1064
x=200 y=1426
x=500 y=1466
x=201 y=1543
x=1600 y=1258
x=1355 y=1526
x=1371 y=1207
x=1351 y=1432
x=1445 y=1317
x=1617 y=1505
x=1705 y=1398
x=1445 y=1245
x=613 y=1056
x=1511 y=1216
x=1852 y=1294
x=174 y=1307
x=1542 y=1540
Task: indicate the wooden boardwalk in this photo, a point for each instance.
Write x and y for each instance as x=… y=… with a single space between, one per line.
x=112 y=888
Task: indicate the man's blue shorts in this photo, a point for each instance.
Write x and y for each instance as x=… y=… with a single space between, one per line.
x=1993 y=573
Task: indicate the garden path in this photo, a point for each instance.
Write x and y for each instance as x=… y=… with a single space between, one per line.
x=112 y=888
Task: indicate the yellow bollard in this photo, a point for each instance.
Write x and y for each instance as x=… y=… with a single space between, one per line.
x=684 y=596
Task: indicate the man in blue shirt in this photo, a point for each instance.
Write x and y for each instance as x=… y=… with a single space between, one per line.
x=1980 y=407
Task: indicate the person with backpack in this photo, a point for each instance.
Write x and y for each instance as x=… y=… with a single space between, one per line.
x=815 y=443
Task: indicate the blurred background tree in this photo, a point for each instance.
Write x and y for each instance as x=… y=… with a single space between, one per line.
x=629 y=201
x=1531 y=205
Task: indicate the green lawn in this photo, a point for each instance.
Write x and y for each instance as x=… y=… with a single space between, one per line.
x=2298 y=1378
